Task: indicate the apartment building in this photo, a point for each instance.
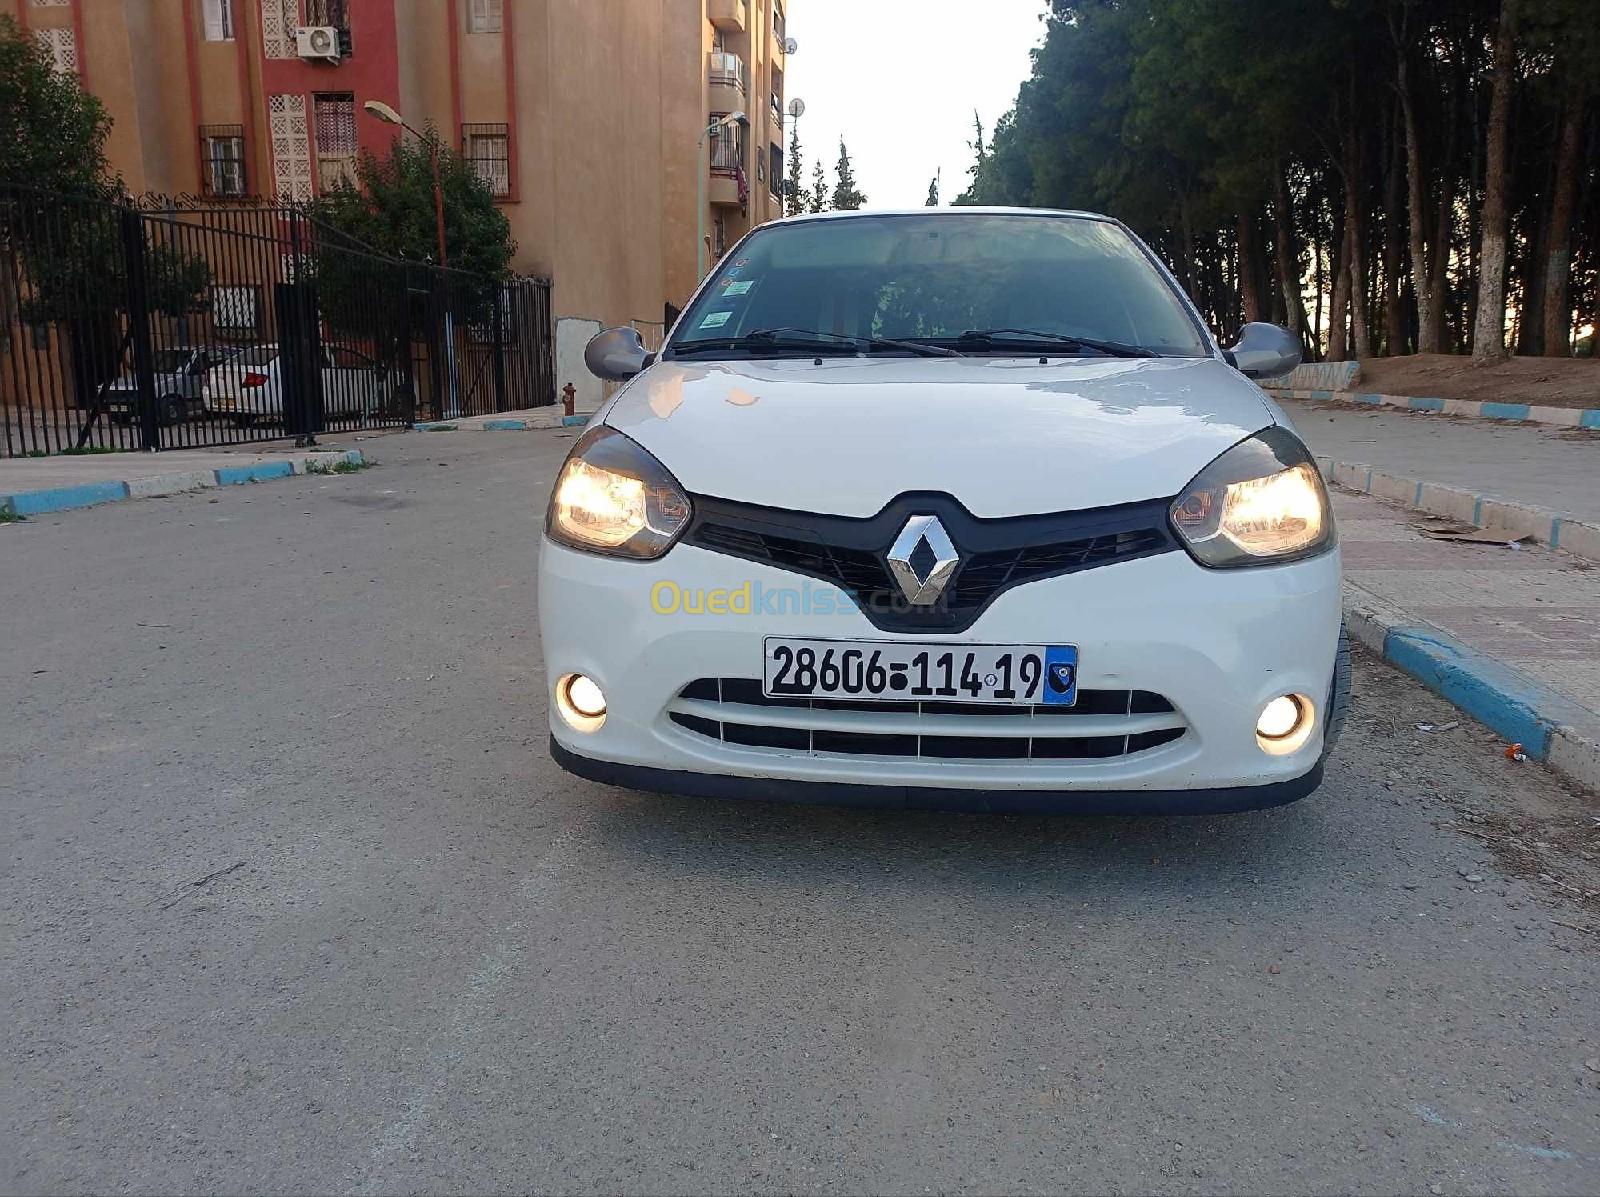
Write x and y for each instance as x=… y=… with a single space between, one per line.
x=586 y=118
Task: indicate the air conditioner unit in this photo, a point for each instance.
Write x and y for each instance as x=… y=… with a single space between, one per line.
x=317 y=42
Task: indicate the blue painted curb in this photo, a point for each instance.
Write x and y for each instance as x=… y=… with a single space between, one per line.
x=433 y=426
x=65 y=498
x=260 y=472
x=574 y=421
x=1524 y=413
x=91 y=494
x=1495 y=695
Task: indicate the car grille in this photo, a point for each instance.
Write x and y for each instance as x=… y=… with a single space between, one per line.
x=996 y=554
x=1103 y=724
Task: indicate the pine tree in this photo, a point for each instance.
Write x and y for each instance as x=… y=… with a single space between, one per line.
x=795 y=199
x=846 y=196
x=933 y=192
x=819 y=188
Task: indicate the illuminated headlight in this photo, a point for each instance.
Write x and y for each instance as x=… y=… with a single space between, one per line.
x=1260 y=502
x=612 y=497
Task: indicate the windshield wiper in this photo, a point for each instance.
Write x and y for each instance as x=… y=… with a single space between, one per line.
x=995 y=336
x=811 y=340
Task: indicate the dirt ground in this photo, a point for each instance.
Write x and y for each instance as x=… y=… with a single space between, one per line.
x=1550 y=381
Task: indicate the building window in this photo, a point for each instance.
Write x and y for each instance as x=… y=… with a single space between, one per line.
x=217 y=16
x=719 y=225
x=236 y=310
x=488 y=148
x=328 y=12
x=485 y=16
x=61 y=47
x=333 y=121
x=222 y=160
x=774 y=169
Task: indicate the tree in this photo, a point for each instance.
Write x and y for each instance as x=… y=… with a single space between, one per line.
x=819 y=188
x=52 y=132
x=795 y=199
x=847 y=196
x=1378 y=185
x=71 y=241
x=933 y=192
x=391 y=209
x=362 y=294
x=1489 y=329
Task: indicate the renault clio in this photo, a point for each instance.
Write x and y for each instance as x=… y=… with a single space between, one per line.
x=956 y=509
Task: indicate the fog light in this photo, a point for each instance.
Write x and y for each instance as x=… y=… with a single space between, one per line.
x=1285 y=724
x=581 y=702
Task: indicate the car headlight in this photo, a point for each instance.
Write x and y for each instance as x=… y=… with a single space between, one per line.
x=1260 y=503
x=612 y=497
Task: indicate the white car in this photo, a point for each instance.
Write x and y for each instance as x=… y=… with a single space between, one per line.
x=959 y=509
x=249 y=386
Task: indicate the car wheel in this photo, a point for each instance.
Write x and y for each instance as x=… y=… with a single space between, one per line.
x=243 y=421
x=173 y=409
x=1338 y=693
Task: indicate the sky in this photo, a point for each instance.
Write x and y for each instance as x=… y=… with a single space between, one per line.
x=899 y=79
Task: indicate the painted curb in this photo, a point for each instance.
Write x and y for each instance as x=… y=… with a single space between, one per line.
x=93 y=494
x=1553 y=528
x=1549 y=726
x=501 y=423
x=1521 y=413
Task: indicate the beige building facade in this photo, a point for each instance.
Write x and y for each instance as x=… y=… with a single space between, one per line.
x=587 y=118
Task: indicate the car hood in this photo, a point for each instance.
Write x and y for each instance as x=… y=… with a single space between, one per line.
x=1005 y=436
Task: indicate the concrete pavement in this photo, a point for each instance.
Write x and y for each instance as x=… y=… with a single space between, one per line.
x=294 y=900
x=1555 y=469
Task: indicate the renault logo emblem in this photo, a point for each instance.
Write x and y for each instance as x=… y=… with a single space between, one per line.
x=923 y=560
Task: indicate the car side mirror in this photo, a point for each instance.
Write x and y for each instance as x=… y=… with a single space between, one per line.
x=1265 y=350
x=616 y=354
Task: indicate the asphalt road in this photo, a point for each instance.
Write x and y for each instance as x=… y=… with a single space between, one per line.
x=294 y=899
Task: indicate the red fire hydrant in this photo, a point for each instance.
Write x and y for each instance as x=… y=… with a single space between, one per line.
x=569 y=399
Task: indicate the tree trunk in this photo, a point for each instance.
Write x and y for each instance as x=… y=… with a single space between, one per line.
x=1287 y=255
x=1394 y=315
x=1250 y=297
x=1557 y=298
x=1429 y=318
x=1355 y=249
x=1338 y=328
x=1488 y=334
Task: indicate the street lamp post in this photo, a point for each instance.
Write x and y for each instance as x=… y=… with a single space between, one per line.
x=732 y=118
x=389 y=116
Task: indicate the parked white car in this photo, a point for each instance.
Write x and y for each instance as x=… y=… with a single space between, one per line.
x=249 y=386
x=961 y=509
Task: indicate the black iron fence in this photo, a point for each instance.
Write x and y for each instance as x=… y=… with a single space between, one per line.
x=176 y=325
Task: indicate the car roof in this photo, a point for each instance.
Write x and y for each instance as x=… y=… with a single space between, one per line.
x=943 y=213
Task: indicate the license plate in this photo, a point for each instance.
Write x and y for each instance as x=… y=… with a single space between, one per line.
x=878 y=670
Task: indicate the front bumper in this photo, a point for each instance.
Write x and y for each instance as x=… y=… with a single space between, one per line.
x=1217 y=645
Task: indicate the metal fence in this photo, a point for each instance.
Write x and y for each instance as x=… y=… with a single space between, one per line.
x=176 y=325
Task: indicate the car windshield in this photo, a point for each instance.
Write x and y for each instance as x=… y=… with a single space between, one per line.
x=258 y=355
x=982 y=283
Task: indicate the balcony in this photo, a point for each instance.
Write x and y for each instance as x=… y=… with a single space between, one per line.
x=727 y=15
x=780 y=34
x=726 y=164
x=725 y=73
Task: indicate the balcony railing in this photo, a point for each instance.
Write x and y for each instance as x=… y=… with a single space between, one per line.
x=727 y=154
x=726 y=70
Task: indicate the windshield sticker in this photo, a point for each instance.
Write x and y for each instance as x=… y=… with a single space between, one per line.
x=737 y=288
x=716 y=319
